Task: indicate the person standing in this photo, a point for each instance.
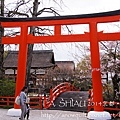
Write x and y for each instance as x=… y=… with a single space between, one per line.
x=28 y=108
x=28 y=112
x=23 y=98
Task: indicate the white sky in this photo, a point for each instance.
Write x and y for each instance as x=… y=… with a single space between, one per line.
x=90 y=6
x=72 y=7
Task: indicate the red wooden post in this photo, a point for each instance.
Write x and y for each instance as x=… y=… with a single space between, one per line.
x=8 y=98
x=41 y=103
x=22 y=58
x=96 y=74
x=45 y=102
x=57 y=30
x=51 y=94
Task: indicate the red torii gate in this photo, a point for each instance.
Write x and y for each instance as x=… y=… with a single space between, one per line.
x=93 y=37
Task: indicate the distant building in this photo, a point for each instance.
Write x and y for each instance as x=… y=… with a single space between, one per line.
x=45 y=71
x=41 y=60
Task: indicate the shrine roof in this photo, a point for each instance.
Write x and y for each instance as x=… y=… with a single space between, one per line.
x=40 y=59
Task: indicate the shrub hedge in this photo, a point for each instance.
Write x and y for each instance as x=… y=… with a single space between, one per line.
x=7 y=88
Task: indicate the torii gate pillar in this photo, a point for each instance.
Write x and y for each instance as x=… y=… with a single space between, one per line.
x=98 y=113
x=22 y=59
x=95 y=62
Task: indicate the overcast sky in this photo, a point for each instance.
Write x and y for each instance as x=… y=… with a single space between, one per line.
x=90 y=6
x=72 y=7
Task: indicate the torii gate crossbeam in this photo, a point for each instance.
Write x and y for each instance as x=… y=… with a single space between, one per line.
x=93 y=36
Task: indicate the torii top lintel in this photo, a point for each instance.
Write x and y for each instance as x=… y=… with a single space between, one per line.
x=57 y=21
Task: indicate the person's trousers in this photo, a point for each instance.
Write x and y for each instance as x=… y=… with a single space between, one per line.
x=23 y=111
x=27 y=114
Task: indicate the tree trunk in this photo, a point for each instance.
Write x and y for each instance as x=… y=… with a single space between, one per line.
x=30 y=46
x=1 y=55
x=1 y=46
x=115 y=85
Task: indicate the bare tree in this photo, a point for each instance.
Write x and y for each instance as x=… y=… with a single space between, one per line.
x=32 y=8
x=110 y=62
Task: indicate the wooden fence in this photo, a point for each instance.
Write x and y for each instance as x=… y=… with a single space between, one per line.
x=8 y=102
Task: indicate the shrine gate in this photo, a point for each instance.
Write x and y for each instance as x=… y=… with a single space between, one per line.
x=93 y=36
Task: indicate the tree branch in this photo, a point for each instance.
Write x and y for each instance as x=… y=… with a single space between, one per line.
x=104 y=45
x=48 y=10
x=17 y=13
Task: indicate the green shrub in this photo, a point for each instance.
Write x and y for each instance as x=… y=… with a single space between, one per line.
x=108 y=92
x=83 y=85
x=7 y=88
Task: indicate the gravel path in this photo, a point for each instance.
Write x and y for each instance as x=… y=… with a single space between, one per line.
x=47 y=115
